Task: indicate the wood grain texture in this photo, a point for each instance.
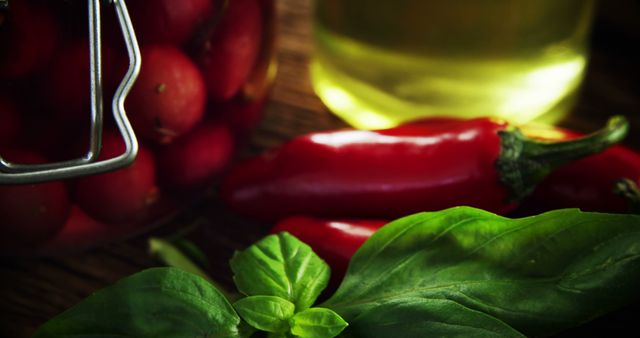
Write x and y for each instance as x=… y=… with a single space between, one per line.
x=37 y=288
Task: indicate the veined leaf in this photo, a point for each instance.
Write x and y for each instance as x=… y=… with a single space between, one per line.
x=266 y=313
x=317 y=323
x=283 y=266
x=419 y=317
x=538 y=274
x=158 y=302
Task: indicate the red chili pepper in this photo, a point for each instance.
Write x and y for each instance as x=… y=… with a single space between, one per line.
x=335 y=241
x=588 y=183
x=391 y=173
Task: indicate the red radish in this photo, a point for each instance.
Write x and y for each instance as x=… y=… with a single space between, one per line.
x=57 y=139
x=80 y=231
x=168 y=21
x=197 y=157
x=169 y=96
x=28 y=39
x=122 y=195
x=242 y=115
x=10 y=121
x=67 y=84
x=31 y=213
x=229 y=54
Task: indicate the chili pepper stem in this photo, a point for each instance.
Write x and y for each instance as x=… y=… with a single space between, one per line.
x=629 y=190
x=524 y=162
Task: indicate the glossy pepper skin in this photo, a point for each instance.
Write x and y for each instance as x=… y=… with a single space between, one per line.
x=334 y=240
x=432 y=164
x=588 y=183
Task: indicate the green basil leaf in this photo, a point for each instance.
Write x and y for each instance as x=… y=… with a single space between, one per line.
x=158 y=302
x=171 y=255
x=191 y=251
x=283 y=266
x=539 y=274
x=415 y=317
x=266 y=313
x=317 y=323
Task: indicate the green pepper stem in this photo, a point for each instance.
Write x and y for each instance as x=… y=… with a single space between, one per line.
x=629 y=190
x=525 y=162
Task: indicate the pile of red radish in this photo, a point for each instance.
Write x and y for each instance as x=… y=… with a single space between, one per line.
x=203 y=82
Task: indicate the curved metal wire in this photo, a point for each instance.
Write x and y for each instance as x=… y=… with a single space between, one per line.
x=15 y=173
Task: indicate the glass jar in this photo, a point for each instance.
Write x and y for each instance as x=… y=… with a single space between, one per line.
x=377 y=64
x=205 y=75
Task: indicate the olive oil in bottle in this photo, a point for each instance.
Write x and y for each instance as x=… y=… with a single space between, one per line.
x=379 y=63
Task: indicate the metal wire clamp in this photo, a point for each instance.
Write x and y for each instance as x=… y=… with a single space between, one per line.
x=16 y=173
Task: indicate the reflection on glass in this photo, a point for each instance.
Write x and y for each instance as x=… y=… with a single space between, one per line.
x=380 y=63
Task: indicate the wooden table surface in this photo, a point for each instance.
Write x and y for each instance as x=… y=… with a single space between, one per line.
x=34 y=289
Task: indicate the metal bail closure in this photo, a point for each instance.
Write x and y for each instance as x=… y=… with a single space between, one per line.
x=16 y=173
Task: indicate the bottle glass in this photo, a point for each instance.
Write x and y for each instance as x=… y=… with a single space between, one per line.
x=380 y=63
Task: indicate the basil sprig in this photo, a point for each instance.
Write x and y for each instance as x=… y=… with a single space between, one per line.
x=458 y=272
x=280 y=276
x=281 y=266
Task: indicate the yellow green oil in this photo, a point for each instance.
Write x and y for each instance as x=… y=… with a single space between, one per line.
x=379 y=63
